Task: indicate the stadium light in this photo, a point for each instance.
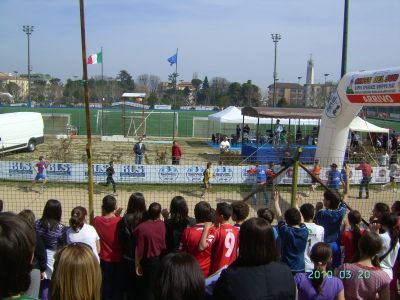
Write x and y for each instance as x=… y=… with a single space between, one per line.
x=28 y=30
x=275 y=38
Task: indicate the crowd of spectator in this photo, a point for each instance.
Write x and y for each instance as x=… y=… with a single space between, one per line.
x=151 y=253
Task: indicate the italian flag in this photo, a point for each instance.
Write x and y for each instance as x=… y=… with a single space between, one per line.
x=95 y=59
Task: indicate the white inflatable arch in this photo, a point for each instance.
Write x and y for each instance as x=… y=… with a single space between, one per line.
x=355 y=90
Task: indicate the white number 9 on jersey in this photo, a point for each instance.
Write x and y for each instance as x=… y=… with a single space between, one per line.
x=229 y=244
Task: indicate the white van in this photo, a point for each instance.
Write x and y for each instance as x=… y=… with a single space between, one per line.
x=21 y=130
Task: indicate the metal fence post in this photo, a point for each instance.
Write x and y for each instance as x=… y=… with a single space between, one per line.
x=295 y=176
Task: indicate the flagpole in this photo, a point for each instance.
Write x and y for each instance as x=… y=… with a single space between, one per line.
x=176 y=77
x=102 y=91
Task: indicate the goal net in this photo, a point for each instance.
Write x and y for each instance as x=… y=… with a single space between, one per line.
x=56 y=123
x=135 y=123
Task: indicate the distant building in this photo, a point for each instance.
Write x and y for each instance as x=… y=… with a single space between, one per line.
x=292 y=92
x=22 y=83
x=182 y=85
x=317 y=95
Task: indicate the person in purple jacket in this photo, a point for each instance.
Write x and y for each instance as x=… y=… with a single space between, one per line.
x=319 y=284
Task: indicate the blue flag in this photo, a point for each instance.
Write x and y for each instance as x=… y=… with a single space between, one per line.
x=173 y=59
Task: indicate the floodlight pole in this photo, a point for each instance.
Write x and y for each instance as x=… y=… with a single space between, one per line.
x=28 y=30
x=275 y=38
x=345 y=32
x=87 y=110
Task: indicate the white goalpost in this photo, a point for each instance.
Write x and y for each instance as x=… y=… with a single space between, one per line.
x=135 y=123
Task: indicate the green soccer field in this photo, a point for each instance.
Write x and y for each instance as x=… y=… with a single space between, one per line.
x=158 y=123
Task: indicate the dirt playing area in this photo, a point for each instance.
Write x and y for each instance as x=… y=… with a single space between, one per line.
x=17 y=195
x=73 y=151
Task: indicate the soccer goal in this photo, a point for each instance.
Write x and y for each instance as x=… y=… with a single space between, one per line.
x=135 y=123
x=56 y=123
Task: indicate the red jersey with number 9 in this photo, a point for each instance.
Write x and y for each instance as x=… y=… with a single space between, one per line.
x=225 y=246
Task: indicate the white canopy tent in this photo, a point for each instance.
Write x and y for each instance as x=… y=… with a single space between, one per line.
x=361 y=125
x=232 y=114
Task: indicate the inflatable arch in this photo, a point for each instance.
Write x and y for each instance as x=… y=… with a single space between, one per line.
x=355 y=90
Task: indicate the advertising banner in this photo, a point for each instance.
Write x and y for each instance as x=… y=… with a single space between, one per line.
x=165 y=174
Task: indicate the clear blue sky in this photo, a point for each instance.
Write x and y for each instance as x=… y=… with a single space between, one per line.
x=226 y=38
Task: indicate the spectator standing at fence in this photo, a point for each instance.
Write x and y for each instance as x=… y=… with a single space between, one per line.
x=176 y=153
x=1 y=205
x=77 y=274
x=191 y=237
x=334 y=177
x=240 y=212
x=17 y=244
x=367 y=171
x=390 y=242
x=80 y=232
x=256 y=274
x=364 y=279
x=136 y=213
x=293 y=235
x=179 y=277
x=39 y=262
x=379 y=210
x=207 y=175
x=350 y=235
x=331 y=218
x=177 y=223
x=150 y=244
x=54 y=236
x=315 y=233
x=40 y=169
x=110 y=249
x=319 y=283
x=226 y=239
x=139 y=149
x=299 y=136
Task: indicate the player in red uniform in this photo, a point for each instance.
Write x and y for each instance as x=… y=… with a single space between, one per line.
x=191 y=237
x=226 y=240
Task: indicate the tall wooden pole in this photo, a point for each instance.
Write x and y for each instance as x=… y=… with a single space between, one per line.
x=87 y=110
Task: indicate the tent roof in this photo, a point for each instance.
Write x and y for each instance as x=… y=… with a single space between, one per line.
x=232 y=114
x=291 y=113
x=361 y=125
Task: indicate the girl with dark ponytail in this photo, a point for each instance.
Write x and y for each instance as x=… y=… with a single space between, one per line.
x=80 y=232
x=390 y=241
x=351 y=235
x=363 y=278
x=320 y=283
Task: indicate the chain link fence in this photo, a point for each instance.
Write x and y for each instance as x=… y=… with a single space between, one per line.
x=67 y=182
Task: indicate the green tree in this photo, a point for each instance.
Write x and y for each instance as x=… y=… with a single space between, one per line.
x=152 y=99
x=234 y=93
x=250 y=94
x=196 y=83
x=14 y=90
x=125 y=81
x=282 y=103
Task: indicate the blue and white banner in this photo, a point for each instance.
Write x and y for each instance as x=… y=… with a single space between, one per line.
x=167 y=174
